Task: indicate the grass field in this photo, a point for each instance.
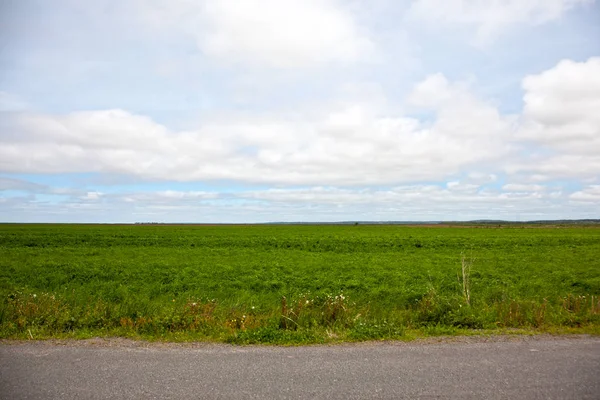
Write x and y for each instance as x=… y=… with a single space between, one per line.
x=295 y=284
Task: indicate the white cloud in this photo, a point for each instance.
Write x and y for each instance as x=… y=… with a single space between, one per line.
x=465 y=126
x=491 y=18
x=282 y=33
x=561 y=118
x=433 y=92
x=520 y=187
x=561 y=106
x=407 y=202
x=265 y=33
x=588 y=194
x=348 y=144
x=480 y=178
x=457 y=186
x=91 y=196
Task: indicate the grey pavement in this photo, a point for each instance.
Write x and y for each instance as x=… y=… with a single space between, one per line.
x=523 y=369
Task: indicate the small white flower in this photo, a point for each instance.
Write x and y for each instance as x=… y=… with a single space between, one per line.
x=34 y=296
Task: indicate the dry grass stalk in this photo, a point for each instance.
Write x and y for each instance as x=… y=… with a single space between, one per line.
x=466 y=277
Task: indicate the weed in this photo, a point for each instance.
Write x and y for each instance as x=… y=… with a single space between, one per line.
x=335 y=310
x=466 y=264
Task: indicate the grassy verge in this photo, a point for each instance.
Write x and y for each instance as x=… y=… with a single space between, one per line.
x=295 y=284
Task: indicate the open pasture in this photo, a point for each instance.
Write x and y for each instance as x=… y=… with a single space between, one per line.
x=296 y=283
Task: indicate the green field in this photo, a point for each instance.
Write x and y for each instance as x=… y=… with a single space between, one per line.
x=296 y=283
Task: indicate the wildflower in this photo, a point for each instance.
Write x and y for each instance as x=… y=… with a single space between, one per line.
x=34 y=295
x=193 y=304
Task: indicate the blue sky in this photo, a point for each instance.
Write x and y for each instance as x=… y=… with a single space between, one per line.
x=299 y=110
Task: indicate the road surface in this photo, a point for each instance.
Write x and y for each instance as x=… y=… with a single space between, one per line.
x=524 y=368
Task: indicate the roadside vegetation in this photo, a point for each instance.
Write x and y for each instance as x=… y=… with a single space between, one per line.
x=296 y=284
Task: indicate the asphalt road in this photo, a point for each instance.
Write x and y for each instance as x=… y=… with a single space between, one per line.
x=501 y=369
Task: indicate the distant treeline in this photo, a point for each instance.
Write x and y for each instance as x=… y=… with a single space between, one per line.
x=478 y=222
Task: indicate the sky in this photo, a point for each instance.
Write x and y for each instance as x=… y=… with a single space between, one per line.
x=299 y=110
